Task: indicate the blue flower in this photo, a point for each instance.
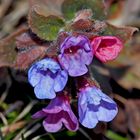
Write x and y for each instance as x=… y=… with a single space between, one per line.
x=47 y=77
x=95 y=106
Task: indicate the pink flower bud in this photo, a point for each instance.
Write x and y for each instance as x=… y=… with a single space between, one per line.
x=106 y=47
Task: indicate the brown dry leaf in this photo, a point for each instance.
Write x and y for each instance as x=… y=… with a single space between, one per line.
x=130 y=15
x=89 y=28
x=10 y=20
x=5 y=4
x=47 y=7
x=30 y=48
x=120 y=122
x=83 y=14
x=25 y=59
x=123 y=32
x=107 y=3
x=82 y=20
x=29 y=40
x=13 y=127
x=82 y=25
x=127 y=13
x=128 y=117
x=95 y=28
x=133 y=116
x=114 y=8
x=8 y=51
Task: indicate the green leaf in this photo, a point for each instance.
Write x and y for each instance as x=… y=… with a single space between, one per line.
x=71 y=134
x=113 y=136
x=46 y=27
x=70 y=7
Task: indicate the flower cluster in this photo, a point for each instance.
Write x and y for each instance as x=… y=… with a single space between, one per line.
x=49 y=77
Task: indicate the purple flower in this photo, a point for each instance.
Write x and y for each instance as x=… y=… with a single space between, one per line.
x=57 y=113
x=95 y=106
x=76 y=53
x=47 y=77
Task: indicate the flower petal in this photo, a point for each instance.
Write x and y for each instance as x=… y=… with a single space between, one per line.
x=52 y=127
x=106 y=48
x=94 y=106
x=60 y=81
x=86 y=57
x=76 y=53
x=44 y=89
x=107 y=109
x=55 y=105
x=73 y=64
x=39 y=114
x=106 y=115
x=70 y=121
x=48 y=63
x=34 y=76
x=89 y=119
x=104 y=97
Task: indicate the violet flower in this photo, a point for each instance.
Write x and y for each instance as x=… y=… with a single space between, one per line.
x=57 y=113
x=47 y=77
x=76 y=54
x=95 y=106
x=106 y=48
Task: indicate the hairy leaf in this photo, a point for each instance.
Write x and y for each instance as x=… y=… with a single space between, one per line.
x=30 y=49
x=8 y=51
x=124 y=33
x=25 y=59
x=46 y=27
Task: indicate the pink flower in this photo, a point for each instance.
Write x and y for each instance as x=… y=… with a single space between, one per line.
x=57 y=113
x=106 y=47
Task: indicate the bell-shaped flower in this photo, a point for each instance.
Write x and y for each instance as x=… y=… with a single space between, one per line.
x=95 y=106
x=57 y=113
x=47 y=77
x=75 y=55
x=106 y=48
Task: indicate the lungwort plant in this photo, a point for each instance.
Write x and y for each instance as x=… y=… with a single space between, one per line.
x=63 y=40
